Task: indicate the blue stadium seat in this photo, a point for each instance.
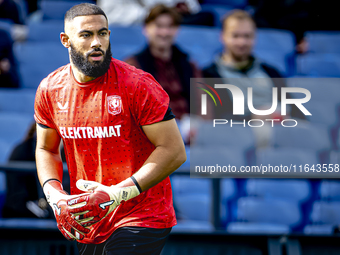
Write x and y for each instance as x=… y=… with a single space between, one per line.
x=201 y=43
x=293 y=190
x=287 y=157
x=47 y=31
x=228 y=192
x=37 y=60
x=192 y=199
x=57 y=9
x=233 y=3
x=6 y=24
x=202 y=157
x=313 y=137
x=219 y=11
x=275 y=47
x=323 y=41
x=261 y=215
x=224 y=135
x=325 y=215
x=122 y=35
x=20 y=101
x=2 y=191
x=322 y=89
x=319 y=65
x=330 y=190
x=15 y=126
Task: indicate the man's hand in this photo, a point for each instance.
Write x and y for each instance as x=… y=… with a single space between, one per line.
x=92 y=208
x=58 y=200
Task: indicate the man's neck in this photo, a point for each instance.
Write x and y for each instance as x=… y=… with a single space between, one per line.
x=162 y=53
x=79 y=76
x=230 y=60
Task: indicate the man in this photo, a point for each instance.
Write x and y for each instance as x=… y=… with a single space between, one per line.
x=121 y=144
x=164 y=60
x=237 y=66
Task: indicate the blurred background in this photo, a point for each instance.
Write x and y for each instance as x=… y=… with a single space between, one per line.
x=296 y=44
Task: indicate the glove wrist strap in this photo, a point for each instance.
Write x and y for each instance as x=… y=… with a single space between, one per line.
x=136 y=183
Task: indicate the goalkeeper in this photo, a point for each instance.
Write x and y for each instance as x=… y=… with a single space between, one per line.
x=121 y=144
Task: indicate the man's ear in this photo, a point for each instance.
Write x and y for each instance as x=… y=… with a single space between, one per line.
x=65 y=40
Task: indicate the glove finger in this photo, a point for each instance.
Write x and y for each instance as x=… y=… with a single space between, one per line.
x=80 y=210
x=73 y=233
x=61 y=229
x=76 y=225
x=86 y=185
x=88 y=221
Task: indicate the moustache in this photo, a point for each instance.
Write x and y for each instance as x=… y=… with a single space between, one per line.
x=97 y=50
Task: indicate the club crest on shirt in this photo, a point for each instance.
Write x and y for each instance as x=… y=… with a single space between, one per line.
x=114 y=104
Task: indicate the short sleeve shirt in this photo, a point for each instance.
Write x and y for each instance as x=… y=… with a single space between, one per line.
x=100 y=125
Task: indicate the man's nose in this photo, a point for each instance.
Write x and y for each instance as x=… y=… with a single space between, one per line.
x=96 y=42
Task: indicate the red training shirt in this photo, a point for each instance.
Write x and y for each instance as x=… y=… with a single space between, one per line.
x=100 y=124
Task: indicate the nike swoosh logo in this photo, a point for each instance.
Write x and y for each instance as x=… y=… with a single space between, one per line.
x=58 y=209
x=103 y=205
x=62 y=107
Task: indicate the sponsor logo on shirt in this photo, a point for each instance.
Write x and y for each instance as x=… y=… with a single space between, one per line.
x=63 y=108
x=90 y=132
x=114 y=104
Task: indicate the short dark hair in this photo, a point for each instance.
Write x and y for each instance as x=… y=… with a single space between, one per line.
x=161 y=9
x=239 y=15
x=83 y=9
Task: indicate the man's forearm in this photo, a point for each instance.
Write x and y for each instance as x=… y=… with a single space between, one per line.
x=49 y=165
x=161 y=163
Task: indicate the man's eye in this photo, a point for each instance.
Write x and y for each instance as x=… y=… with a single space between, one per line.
x=84 y=35
x=103 y=33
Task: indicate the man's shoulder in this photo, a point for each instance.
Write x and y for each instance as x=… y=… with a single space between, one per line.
x=56 y=78
x=270 y=70
x=211 y=71
x=127 y=71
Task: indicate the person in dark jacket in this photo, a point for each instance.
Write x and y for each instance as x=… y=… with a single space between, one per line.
x=8 y=68
x=237 y=66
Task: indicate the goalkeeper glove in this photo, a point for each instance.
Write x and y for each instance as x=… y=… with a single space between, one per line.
x=101 y=202
x=58 y=198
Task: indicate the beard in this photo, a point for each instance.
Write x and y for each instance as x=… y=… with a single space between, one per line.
x=95 y=68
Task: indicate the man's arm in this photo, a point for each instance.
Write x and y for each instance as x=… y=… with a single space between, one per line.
x=48 y=159
x=165 y=159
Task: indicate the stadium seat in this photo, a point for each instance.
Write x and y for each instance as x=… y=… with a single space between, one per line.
x=219 y=11
x=322 y=89
x=57 y=9
x=202 y=157
x=319 y=65
x=323 y=41
x=2 y=191
x=228 y=192
x=15 y=126
x=260 y=215
x=233 y=3
x=37 y=60
x=192 y=200
x=201 y=43
x=14 y=100
x=47 y=31
x=303 y=136
x=325 y=215
x=292 y=190
x=330 y=190
x=287 y=157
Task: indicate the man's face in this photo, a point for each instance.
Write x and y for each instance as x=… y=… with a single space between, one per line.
x=161 y=32
x=238 y=38
x=89 y=44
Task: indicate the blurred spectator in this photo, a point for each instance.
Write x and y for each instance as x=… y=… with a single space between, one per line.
x=236 y=62
x=164 y=60
x=129 y=12
x=237 y=66
x=9 y=10
x=8 y=69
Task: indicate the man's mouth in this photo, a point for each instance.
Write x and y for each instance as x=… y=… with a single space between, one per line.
x=96 y=56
